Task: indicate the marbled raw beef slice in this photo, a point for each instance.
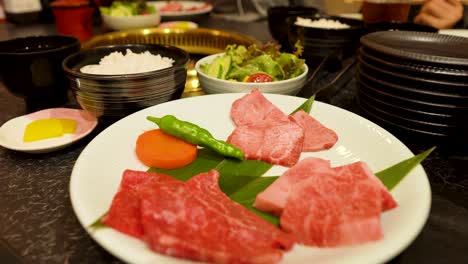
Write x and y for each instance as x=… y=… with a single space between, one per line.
x=361 y=170
x=273 y=199
x=124 y=213
x=328 y=212
x=208 y=188
x=316 y=135
x=273 y=141
x=183 y=221
x=253 y=108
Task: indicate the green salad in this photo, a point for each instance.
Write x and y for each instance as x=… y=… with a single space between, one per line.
x=128 y=8
x=254 y=64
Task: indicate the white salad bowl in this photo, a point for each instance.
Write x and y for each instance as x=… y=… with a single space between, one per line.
x=131 y=22
x=212 y=85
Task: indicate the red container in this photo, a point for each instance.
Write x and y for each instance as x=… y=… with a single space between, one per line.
x=380 y=12
x=74 y=18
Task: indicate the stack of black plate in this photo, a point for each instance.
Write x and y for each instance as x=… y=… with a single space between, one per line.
x=415 y=83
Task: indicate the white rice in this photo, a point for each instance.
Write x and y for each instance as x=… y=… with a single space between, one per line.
x=320 y=23
x=130 y=63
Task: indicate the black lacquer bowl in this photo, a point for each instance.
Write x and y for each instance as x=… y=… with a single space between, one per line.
x=31 y=68
x=116 y=96
x=277 y=21
x=320 y=42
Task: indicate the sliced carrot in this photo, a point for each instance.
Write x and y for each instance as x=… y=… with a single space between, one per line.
x=157 y=149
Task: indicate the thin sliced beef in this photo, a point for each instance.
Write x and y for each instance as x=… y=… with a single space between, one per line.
x=316 y=136
x=124 y=214
x=328 y=207
x=197 y=221
x=273 y=199
x=361 y=170
x=265 y=133
x=273 y=141
x=193 y=220
x=206 y=186
x=329 y=212
x=253 y=108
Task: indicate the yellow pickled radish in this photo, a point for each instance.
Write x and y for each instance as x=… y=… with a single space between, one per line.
x=69 y=126
x=183 y=24
x=48 y=128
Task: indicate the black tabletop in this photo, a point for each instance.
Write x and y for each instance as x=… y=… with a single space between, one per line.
x=38 y=225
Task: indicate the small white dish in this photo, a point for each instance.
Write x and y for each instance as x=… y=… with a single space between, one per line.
x=131 y=22
x=12 y=132
x=186 y=11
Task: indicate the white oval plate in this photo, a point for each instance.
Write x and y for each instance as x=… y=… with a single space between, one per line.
x=97 y=173
x=205 y=8
x=12 y=132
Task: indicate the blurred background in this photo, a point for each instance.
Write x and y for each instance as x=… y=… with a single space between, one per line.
x=40 y=11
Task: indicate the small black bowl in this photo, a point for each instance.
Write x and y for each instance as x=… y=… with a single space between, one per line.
x=277 y=16
x=31 y=68
x=396 y=25
x=319 y=43
x=354 y=31
x=115 y=96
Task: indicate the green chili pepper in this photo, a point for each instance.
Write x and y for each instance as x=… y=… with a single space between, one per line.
x=196 y=135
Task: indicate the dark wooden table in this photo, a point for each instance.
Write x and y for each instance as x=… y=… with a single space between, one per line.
x=37 y=223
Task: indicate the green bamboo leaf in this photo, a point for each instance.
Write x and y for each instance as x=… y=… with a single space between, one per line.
x=391 y=176
x=270 y=218
x=306 y=106
x=205 y=161
x=247 y=194
x=98 y=224
x=234 y=174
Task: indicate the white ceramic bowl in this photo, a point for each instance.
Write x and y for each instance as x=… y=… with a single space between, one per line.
x=130 y=22
x=213 y=85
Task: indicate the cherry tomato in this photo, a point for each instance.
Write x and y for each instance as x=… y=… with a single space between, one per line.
x=259 y=77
